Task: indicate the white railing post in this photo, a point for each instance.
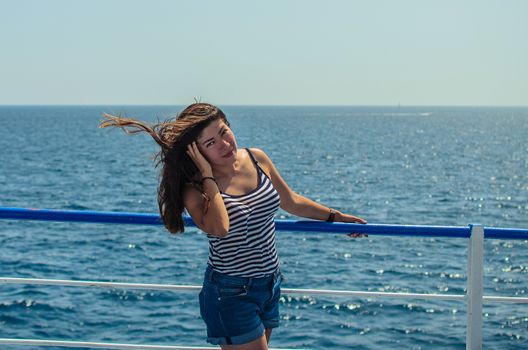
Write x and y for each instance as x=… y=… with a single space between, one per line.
x=475 y=275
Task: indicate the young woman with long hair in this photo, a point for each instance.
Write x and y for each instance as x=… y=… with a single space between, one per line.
x=232 y=195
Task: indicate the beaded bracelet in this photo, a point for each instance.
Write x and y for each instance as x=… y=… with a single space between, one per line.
x=210 y=178
x=331 y=217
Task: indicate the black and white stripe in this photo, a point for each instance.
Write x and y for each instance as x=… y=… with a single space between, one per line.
x=249 y=248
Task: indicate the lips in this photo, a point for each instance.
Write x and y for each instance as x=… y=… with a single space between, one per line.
x=228 y=154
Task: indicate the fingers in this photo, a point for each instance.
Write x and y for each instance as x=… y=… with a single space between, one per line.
x=351 y=218
x=358 y=220
x=191 y=148
x=357 y=235
x=362 y=221
x=193 y=151
x=198 y=158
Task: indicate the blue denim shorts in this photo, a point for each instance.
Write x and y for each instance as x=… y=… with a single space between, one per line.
x=237 y=310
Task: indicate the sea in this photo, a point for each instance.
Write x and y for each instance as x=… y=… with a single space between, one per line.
x=389 y=165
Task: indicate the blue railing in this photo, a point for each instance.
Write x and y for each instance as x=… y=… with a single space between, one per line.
x=474 y=233
x=281 y=225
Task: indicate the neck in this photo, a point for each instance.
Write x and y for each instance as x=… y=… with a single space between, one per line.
x=225 y=172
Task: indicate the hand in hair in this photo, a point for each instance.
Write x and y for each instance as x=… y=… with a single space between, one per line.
x=199 y=160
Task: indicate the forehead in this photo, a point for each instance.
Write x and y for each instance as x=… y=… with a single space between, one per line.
x=212 y=129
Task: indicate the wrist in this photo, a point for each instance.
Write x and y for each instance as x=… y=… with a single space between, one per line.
x=331 y=215
x=209 y=178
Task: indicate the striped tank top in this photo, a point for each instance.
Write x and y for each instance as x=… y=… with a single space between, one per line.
x=249 y=249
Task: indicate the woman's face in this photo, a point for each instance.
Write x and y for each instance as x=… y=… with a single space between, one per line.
x=217 y=143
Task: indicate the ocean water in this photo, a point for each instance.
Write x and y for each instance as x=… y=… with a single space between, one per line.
x=408 y=165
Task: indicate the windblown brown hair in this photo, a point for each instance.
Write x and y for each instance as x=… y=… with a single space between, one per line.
x=178 y=170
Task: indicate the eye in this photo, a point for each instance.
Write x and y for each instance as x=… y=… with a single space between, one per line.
x=209 y=144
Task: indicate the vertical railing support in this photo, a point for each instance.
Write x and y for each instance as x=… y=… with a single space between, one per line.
x=475 y=275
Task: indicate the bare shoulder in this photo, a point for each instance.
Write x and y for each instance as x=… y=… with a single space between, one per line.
x=263 y=159
x=261 y=156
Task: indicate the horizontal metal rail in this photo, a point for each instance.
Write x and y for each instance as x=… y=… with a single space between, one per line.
x=196 y=288
x=473 y=298
x=282 y=225
x=96 y=345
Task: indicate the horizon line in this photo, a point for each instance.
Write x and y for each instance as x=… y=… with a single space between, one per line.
x=258 y=105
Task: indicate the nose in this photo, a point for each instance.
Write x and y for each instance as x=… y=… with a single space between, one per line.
x=225 y=144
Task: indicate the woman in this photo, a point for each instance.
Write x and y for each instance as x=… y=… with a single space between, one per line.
x=232 y=195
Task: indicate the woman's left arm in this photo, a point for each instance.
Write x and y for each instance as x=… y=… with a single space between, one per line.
x=293 y=202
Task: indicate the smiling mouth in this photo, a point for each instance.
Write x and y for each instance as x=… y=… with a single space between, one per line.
x=228 y=154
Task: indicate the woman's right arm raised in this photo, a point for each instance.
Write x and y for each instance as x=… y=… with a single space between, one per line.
x=209 y=215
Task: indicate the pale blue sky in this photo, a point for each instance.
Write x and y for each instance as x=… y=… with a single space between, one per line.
x=264 y=53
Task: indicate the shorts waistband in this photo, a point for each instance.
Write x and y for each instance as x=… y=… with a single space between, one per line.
x=211 y=275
